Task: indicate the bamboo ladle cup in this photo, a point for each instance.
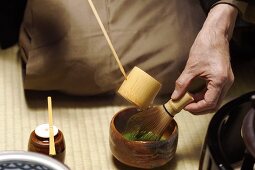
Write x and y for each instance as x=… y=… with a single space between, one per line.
x=138 y=87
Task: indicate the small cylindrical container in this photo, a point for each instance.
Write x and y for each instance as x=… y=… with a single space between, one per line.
x=39 y=142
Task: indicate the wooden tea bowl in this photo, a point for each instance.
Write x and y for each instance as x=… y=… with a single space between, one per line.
x=141 y=154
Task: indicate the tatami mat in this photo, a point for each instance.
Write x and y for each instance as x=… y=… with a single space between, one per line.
x=83 y=121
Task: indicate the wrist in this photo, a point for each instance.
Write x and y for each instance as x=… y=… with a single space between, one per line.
x=221 y=19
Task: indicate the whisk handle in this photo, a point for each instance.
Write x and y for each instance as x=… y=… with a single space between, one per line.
x=175 y=106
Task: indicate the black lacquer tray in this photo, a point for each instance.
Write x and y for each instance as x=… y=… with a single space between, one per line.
x=230 y=138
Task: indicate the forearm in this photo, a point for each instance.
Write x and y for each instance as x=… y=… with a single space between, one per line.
x=221 y=19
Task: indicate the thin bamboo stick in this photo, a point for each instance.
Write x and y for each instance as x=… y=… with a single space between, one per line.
x=51 y=132
x=107 y=38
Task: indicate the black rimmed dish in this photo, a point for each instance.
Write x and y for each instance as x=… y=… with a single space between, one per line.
x=21 y=160
x=228 y=144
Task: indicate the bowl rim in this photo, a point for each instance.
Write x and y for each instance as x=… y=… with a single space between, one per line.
x=112 y=126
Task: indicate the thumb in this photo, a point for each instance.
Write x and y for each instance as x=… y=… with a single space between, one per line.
x=181 y=85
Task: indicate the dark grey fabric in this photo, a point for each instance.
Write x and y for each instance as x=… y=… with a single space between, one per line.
x=11 y=14
x=206 y=4
x=243 y=40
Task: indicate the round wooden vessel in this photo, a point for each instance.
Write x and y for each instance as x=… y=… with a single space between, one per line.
x=141 y=154
x=40 y=143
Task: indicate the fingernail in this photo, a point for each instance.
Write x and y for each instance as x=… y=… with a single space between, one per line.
x=174 y=95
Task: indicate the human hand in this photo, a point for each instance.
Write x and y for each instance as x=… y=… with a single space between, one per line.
x=209 y=59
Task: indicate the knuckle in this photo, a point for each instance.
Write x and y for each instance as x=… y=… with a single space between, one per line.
x=222 y=79
x=232 y=78
x=212 y=105
x=179 y=83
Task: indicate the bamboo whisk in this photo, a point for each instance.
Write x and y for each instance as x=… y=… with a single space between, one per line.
x=150 y=124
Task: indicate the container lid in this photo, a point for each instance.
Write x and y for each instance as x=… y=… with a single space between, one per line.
x=43 y=130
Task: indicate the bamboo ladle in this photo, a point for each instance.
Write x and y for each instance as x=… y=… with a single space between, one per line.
x=138 y=87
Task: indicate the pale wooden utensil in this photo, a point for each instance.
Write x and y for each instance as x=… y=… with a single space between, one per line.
x=107 y=38
x=138 y=87
x=150 y=124
x=51 y=132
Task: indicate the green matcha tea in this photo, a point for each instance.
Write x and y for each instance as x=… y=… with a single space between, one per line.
x=142 y=136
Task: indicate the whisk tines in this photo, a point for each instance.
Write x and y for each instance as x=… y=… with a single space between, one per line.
x=148 y=124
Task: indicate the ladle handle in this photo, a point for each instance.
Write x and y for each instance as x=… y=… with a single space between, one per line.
x=175 y=106
x=107 y=38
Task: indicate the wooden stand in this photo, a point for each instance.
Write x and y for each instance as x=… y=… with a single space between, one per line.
x=139 y=88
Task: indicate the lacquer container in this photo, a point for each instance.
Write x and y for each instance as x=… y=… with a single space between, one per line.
x=39 y=142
